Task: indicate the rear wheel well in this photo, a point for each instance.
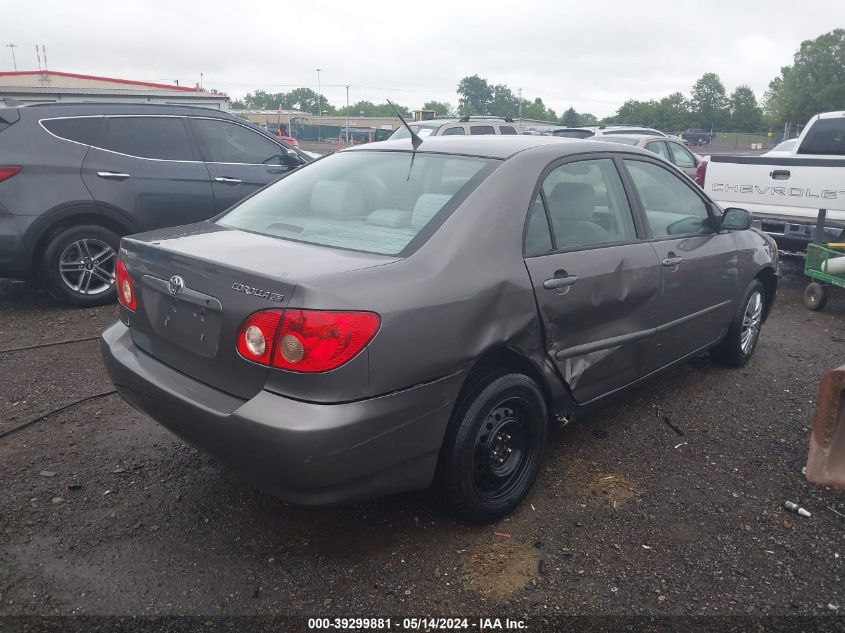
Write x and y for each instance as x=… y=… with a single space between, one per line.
x=769 y=279
x=68 y=222
x=504 y=360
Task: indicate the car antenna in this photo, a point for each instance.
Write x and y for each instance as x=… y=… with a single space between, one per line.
x=416 y=141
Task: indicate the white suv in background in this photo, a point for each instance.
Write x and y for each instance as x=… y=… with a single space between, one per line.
x=461 y=126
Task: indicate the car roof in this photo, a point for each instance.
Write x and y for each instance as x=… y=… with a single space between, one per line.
x=638 y=137
x=76 y=108
x=492 y=145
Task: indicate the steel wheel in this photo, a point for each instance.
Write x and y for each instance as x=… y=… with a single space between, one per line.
x=86 y=266
x=751 y=322
x=500 y=456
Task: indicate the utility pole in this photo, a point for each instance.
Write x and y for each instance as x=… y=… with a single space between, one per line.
x=347 y=115
x=12 y=47
x=319 y=104
x=520 y=106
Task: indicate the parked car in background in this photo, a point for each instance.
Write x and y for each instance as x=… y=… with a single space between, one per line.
x=786 y=191
x=463 y=126
x=697 y=136
x=605 y=130
x=388 y=317
x=784 y=148
x=667 y=147
x=76 y=177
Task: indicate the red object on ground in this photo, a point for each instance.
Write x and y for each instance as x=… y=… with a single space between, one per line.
x=826 y=460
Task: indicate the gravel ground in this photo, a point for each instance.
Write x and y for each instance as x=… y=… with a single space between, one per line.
x=104 y=512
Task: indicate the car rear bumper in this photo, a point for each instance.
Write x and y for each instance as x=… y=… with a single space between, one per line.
x=302 y=452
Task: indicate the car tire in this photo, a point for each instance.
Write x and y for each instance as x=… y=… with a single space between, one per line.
x=77 y=266
x=815 y=296
x=493 y=447
x=736 y=349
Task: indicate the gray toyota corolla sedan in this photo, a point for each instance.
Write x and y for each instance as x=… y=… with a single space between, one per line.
x=384 y=319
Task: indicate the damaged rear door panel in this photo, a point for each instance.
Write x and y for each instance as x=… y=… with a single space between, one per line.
x=597 y=282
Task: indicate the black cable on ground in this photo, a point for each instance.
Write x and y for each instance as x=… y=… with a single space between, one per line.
x=102 y=394
x=37 y=345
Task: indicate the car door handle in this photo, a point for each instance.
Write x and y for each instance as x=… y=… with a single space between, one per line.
x=559 y=282
x=228 y=181
x=671 y=261
x=115 y=175
x=780 y=174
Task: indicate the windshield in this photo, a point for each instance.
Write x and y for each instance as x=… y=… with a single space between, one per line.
x=420 y=130
x=375 y=202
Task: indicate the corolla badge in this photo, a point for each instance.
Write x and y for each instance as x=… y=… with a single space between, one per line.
x=175 y=285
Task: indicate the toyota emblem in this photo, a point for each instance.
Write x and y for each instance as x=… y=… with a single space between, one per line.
x=175 y=285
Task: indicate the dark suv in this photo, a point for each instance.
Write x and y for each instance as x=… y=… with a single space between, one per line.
x=74 y=178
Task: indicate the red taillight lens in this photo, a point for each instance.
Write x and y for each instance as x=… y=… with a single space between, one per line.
x=125 y=288
x=313 y=341
x=255 y=340
x=7 y=171
x=700 y=171
x=307 y=341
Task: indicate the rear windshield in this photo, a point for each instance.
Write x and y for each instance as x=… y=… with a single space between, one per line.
x=420 y=130
x=376 y=202
x=826 y=136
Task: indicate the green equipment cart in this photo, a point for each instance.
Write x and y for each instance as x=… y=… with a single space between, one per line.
x=825 y=271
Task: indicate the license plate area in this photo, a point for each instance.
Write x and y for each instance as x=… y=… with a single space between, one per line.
x=189 y=320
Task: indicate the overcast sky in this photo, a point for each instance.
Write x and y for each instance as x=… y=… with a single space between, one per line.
x=592 y=54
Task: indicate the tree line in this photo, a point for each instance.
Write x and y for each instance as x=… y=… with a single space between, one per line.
x=815 y=82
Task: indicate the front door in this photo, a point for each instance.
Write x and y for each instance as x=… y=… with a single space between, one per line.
x=699 y=265
x=148 y=167
x=595 y=279
x=239 y=159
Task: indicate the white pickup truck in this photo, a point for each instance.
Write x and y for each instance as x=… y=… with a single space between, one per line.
x=784 y=193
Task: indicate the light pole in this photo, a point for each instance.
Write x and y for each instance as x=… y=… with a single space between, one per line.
x=347 y=115
x=12 y=47
x=319 y=104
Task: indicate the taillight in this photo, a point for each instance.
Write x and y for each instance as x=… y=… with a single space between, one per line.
x=7 y=171
x=255 y=340
x=700 y=172
x=307 y=341
x=125 y=287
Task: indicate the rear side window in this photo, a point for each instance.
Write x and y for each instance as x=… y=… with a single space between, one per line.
x=161 y=138
x=481 y=129
x=507 y=129
x=375 y=202
x=826 y=136
x=587 y=204
x=453 y=130
x=659 y=148
x=225 y=142
x=77 y=129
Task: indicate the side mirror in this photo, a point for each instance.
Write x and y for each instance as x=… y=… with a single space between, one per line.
x=736 y=219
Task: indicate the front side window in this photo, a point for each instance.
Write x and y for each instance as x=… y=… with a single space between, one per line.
x=659 y=148
x=225 y=142
x=671 y=206
x=587 y=204
x=681 y=155
x=482 y=129
x=162 y=138
x=375 y=202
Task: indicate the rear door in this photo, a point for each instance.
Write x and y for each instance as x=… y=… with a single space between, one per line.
x=239 y=159
x=595 y=276
x=698 y=265
x=149 y=168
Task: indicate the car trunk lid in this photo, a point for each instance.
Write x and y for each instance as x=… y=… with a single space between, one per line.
x=224 y=275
